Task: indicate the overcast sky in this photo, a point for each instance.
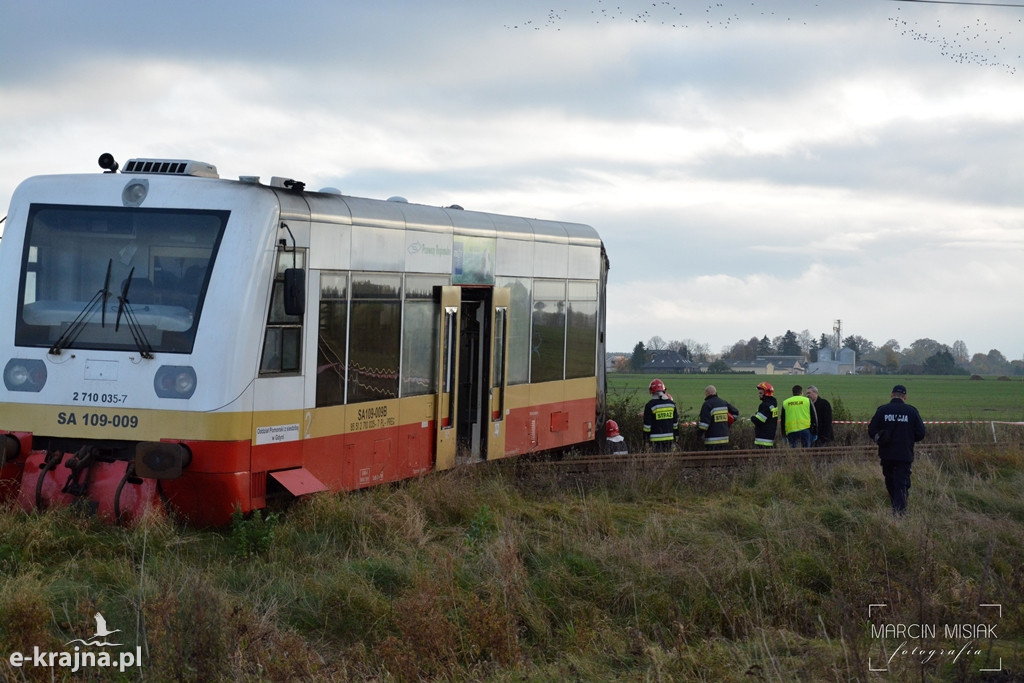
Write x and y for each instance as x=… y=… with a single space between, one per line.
x=753 y=167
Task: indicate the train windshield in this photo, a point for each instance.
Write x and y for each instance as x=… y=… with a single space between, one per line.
x=115 y=278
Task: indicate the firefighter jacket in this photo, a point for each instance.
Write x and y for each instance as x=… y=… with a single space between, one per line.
x=895 y=427
x=797 y=414
x=661 y=421
x=766 y=421
x=714 y=420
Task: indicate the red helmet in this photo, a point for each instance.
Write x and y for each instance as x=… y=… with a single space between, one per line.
x=657 y=385
x=611 y=428
x=767 y=388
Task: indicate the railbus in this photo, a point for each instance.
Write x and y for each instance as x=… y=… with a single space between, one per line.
x=200 y=345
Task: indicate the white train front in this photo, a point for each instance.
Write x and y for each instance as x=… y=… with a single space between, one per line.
x=196 y=344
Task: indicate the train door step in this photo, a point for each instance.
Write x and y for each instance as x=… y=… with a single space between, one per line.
x=298 y=481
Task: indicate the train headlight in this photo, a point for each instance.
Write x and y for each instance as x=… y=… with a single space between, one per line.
x=175 y=381
x=134 y=193
x=24 y=374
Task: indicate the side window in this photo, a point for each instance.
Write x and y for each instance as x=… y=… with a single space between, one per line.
x=330 y=363
x=519 y=328
x=375 y=336
x=282 y=341
x=581 y=330
x=420 y=332
x=547 y=342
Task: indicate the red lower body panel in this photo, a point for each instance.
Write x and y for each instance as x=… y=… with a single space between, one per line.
x=102 y=487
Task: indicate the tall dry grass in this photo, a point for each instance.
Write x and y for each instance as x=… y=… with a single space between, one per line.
x=486 y=573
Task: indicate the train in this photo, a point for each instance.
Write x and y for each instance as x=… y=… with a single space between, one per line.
x=196 y=345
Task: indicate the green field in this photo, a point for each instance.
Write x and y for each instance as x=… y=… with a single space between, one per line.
x=936 y=397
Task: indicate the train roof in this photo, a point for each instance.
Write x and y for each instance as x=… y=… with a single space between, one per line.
x=400 y=214
x=331 y=206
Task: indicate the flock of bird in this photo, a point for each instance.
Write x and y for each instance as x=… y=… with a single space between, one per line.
x=974 y=42
x=977 y=42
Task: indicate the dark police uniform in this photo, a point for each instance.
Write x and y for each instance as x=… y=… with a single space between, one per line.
x=896 y=427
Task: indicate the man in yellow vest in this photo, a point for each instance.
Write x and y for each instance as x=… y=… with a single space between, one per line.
x=798 y=419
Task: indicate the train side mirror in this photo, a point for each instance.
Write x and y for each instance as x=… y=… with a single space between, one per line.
x=294 y=291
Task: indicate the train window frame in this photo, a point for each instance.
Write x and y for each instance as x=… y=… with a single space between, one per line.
x=420 y=321
x=332 y=339
x=282 y=335
x=581 y=325
x=547 y=331
x=374 y=294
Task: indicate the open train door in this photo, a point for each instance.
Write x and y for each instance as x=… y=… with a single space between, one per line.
x=502 y=297
x=447 y=386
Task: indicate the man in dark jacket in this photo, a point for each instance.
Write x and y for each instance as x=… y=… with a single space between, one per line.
x=822 y=410
x=896 y=427
x=715 y=417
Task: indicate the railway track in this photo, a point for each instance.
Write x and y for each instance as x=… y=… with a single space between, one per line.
x=588 y=464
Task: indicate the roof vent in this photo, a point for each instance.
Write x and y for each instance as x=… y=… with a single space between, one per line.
x=199 y=169
x=398 y=200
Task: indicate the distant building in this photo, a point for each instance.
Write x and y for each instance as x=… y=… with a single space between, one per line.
x=613 y=362
x=770 y=365
x=665 y=362
x=846 y=364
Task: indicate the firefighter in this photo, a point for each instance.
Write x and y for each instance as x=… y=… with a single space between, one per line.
x=615 y=444
x=661 y=420
x=715 y=417
x=766 y=420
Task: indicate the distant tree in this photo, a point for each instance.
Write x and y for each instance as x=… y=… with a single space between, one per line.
x=718 y=367
x=812 y=352
x=806 y=341
x=789 y=345
x=825 y=342
x=862 y=346
x=1017 y=368
x=680 y=348
x=979 y=364
x=890 y=358
x=997 y=362
x=639 y=358
x=742 y=350
x=764 y=347
x=942 y=363
x=893 y=344
x=656 y=343
x=699 y=352
x=960 y=354
x=921 y=349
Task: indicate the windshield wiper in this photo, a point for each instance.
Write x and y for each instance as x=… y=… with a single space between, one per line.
x=78 y=324
x=124 y=306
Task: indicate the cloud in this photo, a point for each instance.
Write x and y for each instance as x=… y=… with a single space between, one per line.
x=729 y=153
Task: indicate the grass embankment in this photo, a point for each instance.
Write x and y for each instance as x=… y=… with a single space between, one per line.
x=763 y=573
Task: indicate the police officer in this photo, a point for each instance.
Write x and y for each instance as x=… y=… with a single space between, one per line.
x=661 y=421
x=716 y=414
x=766 y=420
x=896 y=427
x=798 y=419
